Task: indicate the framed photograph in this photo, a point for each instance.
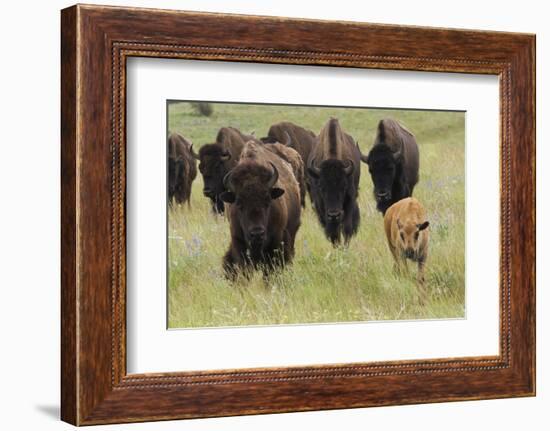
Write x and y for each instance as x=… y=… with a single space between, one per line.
x=263 y=214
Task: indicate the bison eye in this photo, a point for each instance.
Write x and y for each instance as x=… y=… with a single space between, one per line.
x=416 y=235
x=402 y=236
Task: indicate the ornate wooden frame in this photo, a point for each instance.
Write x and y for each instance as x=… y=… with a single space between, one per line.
x=95 y=43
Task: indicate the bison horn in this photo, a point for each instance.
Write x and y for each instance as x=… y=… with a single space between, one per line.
x=227 y=181
x=195 y=155
x=397 y=155
x=348 y=167
x=313 y=168
x=288 y=140
x=226 y=155
x=274 y=176
x=364 y=158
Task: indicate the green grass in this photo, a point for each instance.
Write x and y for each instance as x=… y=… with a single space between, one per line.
x=323 y=284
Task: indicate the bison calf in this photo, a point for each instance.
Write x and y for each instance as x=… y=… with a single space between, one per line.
x=406 y=229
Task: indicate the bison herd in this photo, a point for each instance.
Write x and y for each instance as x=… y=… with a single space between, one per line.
x=261 y=185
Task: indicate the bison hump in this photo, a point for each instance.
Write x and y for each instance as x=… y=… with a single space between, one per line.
x=390 y=133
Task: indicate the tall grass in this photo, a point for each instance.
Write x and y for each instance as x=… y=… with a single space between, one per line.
x=323 y=284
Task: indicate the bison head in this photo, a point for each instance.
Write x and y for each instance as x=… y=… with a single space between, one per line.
x=331 y=181
x=250 y=188
x=176 y=171
x=410 y=237
x=383 y=165
x=212 y=166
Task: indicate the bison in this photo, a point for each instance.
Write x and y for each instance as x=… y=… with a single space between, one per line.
x=393 y=164
x=293 y=158
x=217 y=159
x=296 y=137
x=406 y=226
x=334 y=171
x=182 y=169
x=302 y=140
x=263 y=207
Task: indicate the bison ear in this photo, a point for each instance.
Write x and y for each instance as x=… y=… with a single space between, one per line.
x=423 y=225
x=228 y=197
x=195 y=155
x=276 y=192
x=288 y=140
x=397 y=155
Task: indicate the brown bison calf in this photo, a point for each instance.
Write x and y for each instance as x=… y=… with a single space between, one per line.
x=406 y=229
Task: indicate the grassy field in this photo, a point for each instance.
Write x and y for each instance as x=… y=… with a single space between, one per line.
x=323 y=284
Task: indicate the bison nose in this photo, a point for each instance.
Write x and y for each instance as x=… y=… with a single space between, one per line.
x=334 y=214
x=409 y=253
x=257 y=233
x=383 y=194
